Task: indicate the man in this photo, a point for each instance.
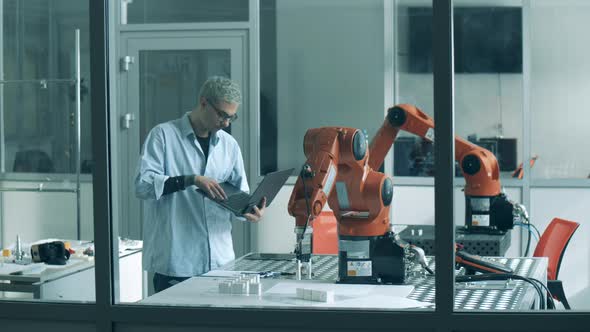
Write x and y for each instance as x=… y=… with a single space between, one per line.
x=185 y=233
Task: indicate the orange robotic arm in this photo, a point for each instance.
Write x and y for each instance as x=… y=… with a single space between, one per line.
x=316 y=181
x=331 y=152
x=400 y=117
x=486 y=205
x=337 y=158
x=336 y=172
x=479 y=167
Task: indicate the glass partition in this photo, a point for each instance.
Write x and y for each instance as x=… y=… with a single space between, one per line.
x=414 y=155
x=413 y=152
x=488 y=81
x=558 y=88
x=46 y=217
x=38 y=103
x=323 y=75
x=321 y=78
x=311 y=78
x=558 y=99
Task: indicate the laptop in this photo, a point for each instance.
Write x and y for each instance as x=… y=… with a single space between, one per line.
x=240 y=202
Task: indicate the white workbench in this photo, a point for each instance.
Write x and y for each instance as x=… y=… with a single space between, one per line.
x=74 y=281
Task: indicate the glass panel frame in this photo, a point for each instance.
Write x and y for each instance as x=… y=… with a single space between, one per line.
x=183 y=11
x=44 y=55
x=105 y=317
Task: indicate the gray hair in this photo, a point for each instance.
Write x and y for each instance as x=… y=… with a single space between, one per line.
x=221 y=89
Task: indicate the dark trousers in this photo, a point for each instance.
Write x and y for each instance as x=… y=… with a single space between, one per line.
x=162 y=281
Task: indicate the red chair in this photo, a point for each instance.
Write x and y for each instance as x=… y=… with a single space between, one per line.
x=552 y=245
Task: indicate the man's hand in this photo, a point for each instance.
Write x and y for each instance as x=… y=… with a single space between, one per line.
x=257 y=212
x=211 y=187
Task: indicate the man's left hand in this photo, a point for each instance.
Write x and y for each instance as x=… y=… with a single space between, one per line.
x=257 y=212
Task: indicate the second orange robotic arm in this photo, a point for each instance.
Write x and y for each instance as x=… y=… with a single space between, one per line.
x=479 y=166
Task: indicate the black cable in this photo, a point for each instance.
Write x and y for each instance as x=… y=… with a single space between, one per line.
x=528 y=242
x=307 y=206
x=536 y=229
x=542 y=303
x=530 y=234
x=549 y=295
x=504 y=276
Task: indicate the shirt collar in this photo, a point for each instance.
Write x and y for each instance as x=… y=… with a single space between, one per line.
x=187 y=129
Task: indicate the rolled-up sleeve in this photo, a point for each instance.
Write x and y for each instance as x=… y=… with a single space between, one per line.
x=150 y=178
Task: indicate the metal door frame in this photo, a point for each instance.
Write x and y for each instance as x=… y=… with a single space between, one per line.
x=131 y=43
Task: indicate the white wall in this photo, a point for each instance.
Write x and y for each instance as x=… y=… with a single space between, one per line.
x=275 y=232
x=330 y=69
x=570 y=204
x=34 y=216
x=560 y=88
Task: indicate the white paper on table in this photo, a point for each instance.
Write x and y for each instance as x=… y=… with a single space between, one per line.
x=376 y=302
x=226 y=274
x=353 y=290
x=347 y=295
x=9 y=268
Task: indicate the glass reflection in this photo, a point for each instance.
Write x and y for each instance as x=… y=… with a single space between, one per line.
x=488 y=80
x=46 y=226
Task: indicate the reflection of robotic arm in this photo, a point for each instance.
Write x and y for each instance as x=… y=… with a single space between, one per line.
x=401 y=117
x=336 y=172
x=487 y=208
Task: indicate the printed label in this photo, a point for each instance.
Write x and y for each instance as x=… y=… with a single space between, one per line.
x=480 y=220
x=359 y=269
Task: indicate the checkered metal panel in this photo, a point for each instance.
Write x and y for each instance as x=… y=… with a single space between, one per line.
x=475 y=243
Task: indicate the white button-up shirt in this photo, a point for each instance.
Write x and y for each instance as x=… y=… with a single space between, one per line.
x=184 y=233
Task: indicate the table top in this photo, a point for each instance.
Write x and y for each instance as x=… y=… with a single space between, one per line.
x=494 y=295
x=41 y=272
x=33 y=273
x=281 y=293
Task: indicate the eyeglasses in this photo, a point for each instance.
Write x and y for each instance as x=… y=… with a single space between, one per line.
x=221 y=114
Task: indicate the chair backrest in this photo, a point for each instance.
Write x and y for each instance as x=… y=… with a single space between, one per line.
x=553 y=243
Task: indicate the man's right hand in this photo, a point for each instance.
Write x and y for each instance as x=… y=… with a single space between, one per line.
x=211 y=187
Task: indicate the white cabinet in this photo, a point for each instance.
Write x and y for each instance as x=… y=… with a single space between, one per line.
x=75 y=282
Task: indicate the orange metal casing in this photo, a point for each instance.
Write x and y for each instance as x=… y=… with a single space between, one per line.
x=325 y=234
x=330 y=149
